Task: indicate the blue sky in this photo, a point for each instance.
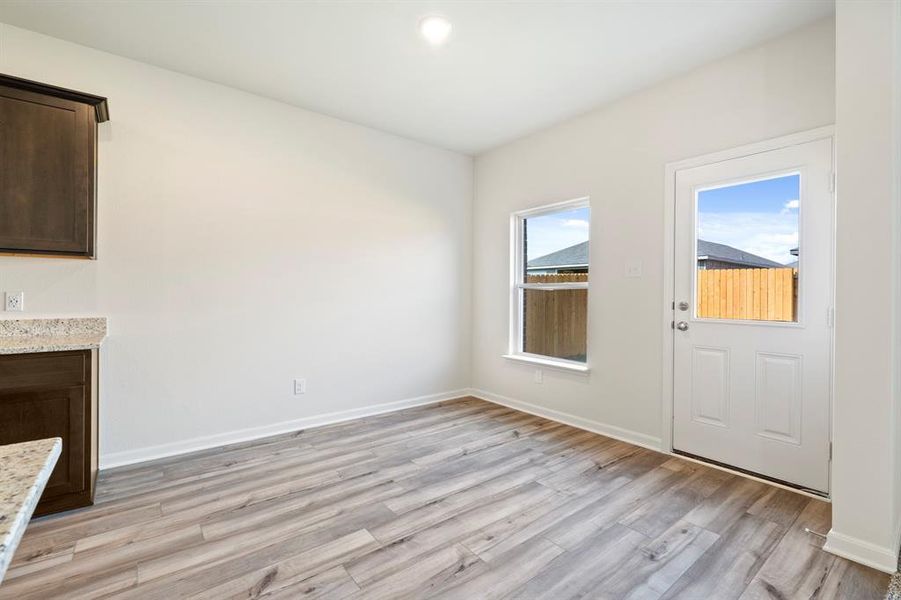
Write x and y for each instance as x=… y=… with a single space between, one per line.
x=760 y=217
x=549 y=233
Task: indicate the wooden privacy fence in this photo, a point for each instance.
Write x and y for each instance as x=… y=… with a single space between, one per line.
x=556 y=322
x=759 y=294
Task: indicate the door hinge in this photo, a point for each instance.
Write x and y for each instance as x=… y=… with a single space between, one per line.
x=832 y=181
x=830 y=317
x=830 y=451
x=672 y=324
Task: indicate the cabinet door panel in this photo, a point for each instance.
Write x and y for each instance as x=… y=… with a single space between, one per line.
x=46 y=185
x=55 y=412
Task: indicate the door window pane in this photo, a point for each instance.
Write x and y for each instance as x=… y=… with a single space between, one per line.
x=748 y=250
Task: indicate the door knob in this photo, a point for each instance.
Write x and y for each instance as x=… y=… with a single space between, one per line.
x=682 y=326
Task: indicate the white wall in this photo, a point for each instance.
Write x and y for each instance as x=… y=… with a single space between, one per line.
x=244 y=242
x=866 y=466
x=896 y=271
x=616 y=155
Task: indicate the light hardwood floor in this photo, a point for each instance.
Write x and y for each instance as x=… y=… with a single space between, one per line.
x=460 y=500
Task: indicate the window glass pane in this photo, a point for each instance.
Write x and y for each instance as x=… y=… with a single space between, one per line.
x=747 y=250
x=555 y=322
x=556 y=243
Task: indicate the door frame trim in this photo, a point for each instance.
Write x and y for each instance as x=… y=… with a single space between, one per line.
x=669 y=281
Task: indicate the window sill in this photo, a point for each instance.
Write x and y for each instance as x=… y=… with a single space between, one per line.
x=563 y=365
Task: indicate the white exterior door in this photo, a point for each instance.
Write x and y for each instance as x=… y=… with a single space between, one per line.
x=753 y=295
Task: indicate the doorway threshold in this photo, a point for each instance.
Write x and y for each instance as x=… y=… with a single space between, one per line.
x=728 y=467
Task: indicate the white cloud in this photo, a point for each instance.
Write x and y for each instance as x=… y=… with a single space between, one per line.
x=545 y=237
x=765 y=234
x=576 y=223
x=790 y=206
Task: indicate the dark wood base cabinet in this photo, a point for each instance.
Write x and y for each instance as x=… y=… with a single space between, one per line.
x=54 y=394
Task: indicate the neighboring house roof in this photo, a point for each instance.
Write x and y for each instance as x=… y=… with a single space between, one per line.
x=577 y=256
x=793 y=264
x=574 y=256
x=722 y=252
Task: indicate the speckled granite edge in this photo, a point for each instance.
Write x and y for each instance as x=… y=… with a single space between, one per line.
x=24 y=471
x=34 y=327
x=21 y=336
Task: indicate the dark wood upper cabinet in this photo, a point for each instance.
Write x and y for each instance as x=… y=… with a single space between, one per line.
x=48 y=166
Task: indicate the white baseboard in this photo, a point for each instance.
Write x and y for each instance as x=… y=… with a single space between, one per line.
x=138 y=455
x=625 y=435
x=865 y=553
x=619 y=433
x=877 y=557
x=871 y=555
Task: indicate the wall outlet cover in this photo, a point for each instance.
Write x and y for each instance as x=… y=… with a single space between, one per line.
x=633 y=268
x=538 y=376
x=15 y=301
x=300 y=386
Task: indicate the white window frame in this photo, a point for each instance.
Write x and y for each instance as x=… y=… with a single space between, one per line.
x=518 y=287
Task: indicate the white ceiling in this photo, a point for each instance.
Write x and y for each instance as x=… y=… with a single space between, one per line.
x=509 y=69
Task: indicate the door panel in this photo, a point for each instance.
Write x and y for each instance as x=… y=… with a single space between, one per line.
x=753 y=289
x=39 y=414
x=710 y=386
x=46 y=196
x=779 y=397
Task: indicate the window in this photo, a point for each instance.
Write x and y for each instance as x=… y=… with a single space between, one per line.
x=748 y=250
x=549 y=304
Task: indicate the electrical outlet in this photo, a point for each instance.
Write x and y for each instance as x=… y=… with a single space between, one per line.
x=633 y=268
x=539 y=376
x=15 y=301
x=300 y=386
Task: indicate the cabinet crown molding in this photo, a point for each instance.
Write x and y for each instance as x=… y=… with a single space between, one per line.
x=100 y=104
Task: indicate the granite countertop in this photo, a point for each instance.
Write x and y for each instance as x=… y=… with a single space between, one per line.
x=24 y=471
x=25 y=335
